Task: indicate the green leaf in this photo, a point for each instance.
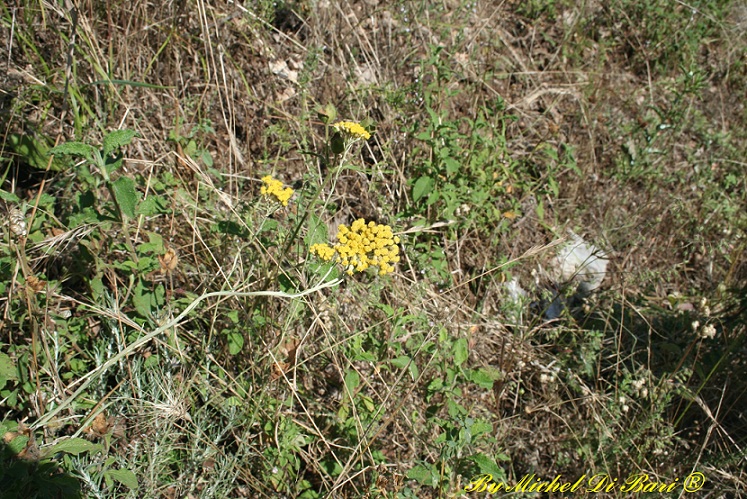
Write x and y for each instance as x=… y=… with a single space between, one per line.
x=152 y=361
x=147 y=264
x=152 y=205
x=352 y=380
x=125 y=477
x=540 y=209
x=401 y=361
x=452 y=166
x=34 y=152
x=73 y=149
x=461 y=351
x=423 y=475
x=17 y=444
x=488 y=466
x=317 y=232
x=74 y=446
x=143 y=299
x=235 y=342
x=337 y=143
x=7 y=370
x=485 y=377
x=206 y=158
x=9 y=197
x=126 y=195
x=326 y=114
x=117 y=139
x=368 y=403
x=480 y=427
x=98 y=290
x=153 y=246
x=423 y=186
x=233 y=401
x=128 y=83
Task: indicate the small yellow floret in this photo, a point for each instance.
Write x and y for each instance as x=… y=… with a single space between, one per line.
x=361 y=246
x=352 y=129
x=323 y=251
x=274 y=187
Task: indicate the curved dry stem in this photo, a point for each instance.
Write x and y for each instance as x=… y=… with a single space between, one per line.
x=87 y=379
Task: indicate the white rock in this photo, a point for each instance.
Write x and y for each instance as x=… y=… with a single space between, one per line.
x=581 y=262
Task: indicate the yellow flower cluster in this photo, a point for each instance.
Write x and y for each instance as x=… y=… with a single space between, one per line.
x=274 y=187
x=353 y=130
x=361 y=246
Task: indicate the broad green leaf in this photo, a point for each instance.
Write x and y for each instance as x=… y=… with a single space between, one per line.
x=326 y=114
x=34 y=152
x=401 y=361
x=126 y=195
x=489 y=466
x=452 y=166
x=147 y=264
x=206 y=158
x=337 y=143
x=143 y=299
x=485 y=377
x=461 y=351
x=17 y=444
x=368 y=403
x=423 y=475
x=317 y=232
x=74 y=446
x=117 y=139
x=152 y=205
x=233 y=401
x=73 y=149
x=404 y=361
x=352 y=380
x=154 y=245
x=98 y=290
x=152 y=361
x=125 y=477
x=7 y=369
x=8 y=197
x=423 y=186
x=235 y=342
x=481 y=427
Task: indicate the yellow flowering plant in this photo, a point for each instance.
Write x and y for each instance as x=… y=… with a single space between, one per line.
x=352 y=130
x=274 y=187
x=361 y=246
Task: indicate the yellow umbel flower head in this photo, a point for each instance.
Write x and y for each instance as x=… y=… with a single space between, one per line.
x=361 y=246
x=352 y=130
x=274 y=187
